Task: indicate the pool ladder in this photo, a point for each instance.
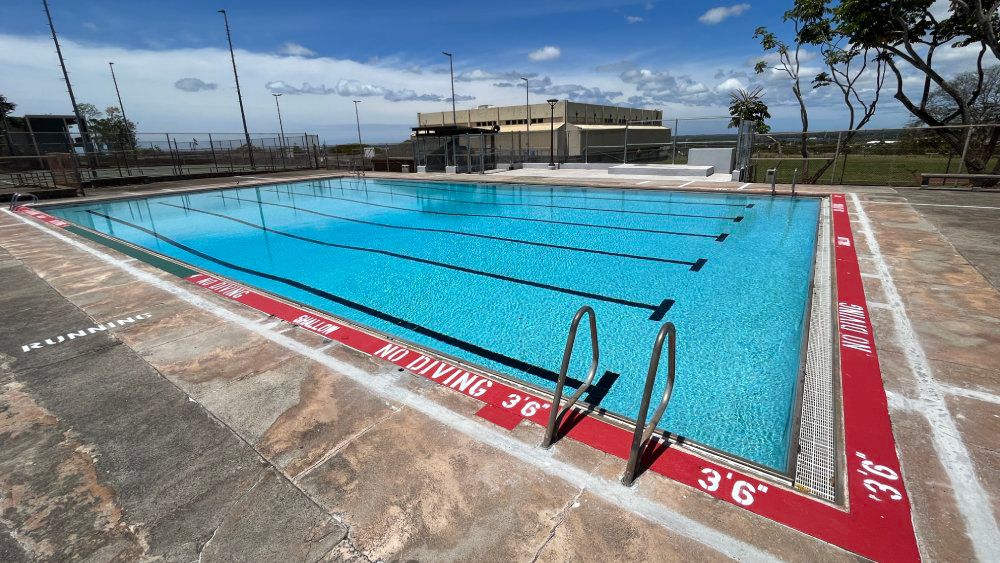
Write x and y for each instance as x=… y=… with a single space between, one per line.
x=644 y=428
x=557 y=410
x=14 y=199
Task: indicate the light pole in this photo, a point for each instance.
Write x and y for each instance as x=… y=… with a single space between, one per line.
x=114 y=79
x=281 y=129
x=451 y=65
x=527 y=112
x=81 y=123
x=281 y=126
x=127 y=133
x=239 y=95
x=357 y=118
x=552 y=133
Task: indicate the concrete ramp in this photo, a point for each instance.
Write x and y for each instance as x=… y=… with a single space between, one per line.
x=662 y=170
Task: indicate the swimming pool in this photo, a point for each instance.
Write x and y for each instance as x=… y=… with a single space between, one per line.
x=493 y=273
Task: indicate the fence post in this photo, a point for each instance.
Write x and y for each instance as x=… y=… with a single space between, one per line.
x=211 y=147
x=170 y=151
x=625 y=152
x=309 y=155
x=281 y=147
x=965 y=150
x=836 y=157
x=673 y=144
x=180 y=161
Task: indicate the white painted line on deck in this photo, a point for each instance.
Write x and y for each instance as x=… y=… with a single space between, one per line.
x=627 y=498
x=972 y=499
x=686 y=183
x=933 y=205
x=644 y=182
x=971 y=394
x=744 y=186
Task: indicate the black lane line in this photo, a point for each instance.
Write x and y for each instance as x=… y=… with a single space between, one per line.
x=539 y=187
x=658 y=311
x=736 y=219
x=718 y=238
x=402 y=323
x=695 y=266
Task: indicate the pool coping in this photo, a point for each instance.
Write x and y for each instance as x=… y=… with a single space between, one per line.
x=862 y=526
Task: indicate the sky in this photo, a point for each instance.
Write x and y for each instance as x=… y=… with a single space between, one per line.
x=173 y=67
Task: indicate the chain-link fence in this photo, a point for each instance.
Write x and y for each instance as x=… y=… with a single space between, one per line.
x=883 y=157
x=382 y=157
x=879 y=157
x=40 y=160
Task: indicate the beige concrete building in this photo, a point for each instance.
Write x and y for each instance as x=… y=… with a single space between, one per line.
x=581 y=131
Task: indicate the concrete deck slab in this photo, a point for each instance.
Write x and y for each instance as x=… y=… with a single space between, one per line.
x=112 y=461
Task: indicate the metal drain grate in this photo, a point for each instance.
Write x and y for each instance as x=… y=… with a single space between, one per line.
x=815 y=471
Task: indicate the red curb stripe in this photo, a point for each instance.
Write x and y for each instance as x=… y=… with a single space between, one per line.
x=501 y=417
x=44 y=217
x=879 y=503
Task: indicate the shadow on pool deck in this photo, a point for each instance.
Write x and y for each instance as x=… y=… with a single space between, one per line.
x=183 y=435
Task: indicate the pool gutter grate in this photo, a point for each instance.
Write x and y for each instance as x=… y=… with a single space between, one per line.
x=815 y=470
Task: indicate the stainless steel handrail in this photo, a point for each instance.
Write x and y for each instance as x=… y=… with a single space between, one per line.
x=14 y=199
x=644 y=429
x=555 y=413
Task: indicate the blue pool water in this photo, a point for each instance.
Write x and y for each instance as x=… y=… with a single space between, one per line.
x=494 y=273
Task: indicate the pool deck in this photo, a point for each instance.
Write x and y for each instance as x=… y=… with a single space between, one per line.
x=207 y=430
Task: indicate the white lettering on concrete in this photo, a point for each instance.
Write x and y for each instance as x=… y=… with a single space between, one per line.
x=83 y=332
x=480 y=388
x=854 y=332
x=392 y=352
x=224 y=288
x=316 y=325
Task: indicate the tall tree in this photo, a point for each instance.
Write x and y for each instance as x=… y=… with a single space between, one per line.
x=108 y=128
x=859 y=73
x=909 y=36
x=808 y=19
x=747 y=105
x=6 y=108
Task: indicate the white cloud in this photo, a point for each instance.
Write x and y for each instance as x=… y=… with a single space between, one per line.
x=295 y=50
x=634 y=19
x=575 y=92
x=729 y=85
x=194 y=85
x=717 y=14
x=546 y=53
x=357 y=89
x=480 y=74
x=659 y=87
x=940 y=9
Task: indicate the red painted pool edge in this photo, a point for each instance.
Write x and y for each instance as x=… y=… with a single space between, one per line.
x=878 y=524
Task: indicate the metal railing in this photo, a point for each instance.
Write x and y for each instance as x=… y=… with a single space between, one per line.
x=557 y=410
x=43 y=160
x=15 y=200
x=644 y=429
